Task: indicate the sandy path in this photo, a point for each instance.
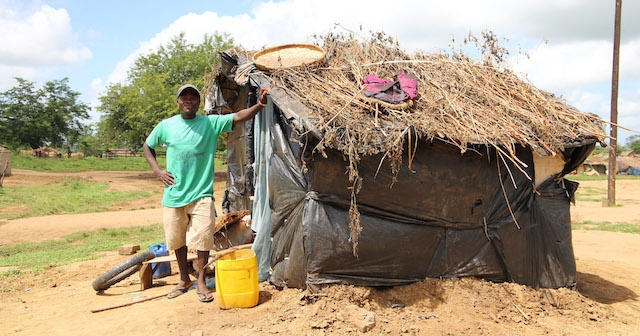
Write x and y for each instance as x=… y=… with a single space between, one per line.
x=38 y=229
x=57 y=301
x=627 y=195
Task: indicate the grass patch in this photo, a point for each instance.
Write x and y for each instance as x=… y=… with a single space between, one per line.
x=72 y=196
x=79 y=246
x=11 y=273
x=600 y=177
x=591 y=191
x=606 y=226
x=6 y=279
x=585 y=194
x=74 y=165
x=584 y=199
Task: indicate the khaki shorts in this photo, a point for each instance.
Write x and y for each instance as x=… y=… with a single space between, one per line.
x=190 y=225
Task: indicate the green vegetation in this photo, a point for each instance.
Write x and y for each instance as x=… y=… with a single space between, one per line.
x=619 y=149
x=586 y=194
x=585 y=199
x=131 y=110
x=591 y=191
x=72 y=165
x=633 y=142
x=606 y=226
x=50 y=115
x=79 y=246
x=600 y=177
x=72 y=196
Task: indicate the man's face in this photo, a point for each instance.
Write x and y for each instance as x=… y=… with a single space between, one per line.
x=189 y=102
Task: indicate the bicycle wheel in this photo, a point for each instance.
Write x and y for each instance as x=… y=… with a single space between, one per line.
x=122 y=271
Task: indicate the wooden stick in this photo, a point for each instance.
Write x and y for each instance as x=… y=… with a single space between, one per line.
x=484 y=219
x=6 y=166
x=130 y=303
x=344 y=107
x=220 y=254
x=504 y=192
x=614 y=124
x=521 y=312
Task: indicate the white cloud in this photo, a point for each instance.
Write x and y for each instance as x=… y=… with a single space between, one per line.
x=578 y=55
x=8 y=72
x=629 y=107
x=558 y=67
x=96 y=88
x=600 y=104
x=43 y=38
x=568 y=65
x=427 y=25
x=590 y=102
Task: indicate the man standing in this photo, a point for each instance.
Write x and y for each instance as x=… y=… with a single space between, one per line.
x=189 y=212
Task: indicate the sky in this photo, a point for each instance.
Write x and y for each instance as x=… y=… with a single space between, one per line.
x=561 y=46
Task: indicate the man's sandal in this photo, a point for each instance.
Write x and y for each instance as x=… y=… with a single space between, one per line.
x=200 y=295
x=177 y=292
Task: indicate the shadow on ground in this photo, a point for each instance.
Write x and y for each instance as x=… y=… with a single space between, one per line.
x=602 y=290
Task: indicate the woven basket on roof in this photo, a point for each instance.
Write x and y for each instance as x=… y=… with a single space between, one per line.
x=288 y=56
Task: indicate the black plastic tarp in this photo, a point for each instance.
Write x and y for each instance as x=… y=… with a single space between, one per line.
x=451 y=215
x=446 y=217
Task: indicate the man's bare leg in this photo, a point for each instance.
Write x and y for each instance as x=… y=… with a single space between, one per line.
x=201 y=287
x=185 y=279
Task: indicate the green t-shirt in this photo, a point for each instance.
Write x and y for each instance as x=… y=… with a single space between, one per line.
x=191 y=147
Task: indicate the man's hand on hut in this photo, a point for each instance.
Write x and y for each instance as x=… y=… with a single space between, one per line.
x=263 y=96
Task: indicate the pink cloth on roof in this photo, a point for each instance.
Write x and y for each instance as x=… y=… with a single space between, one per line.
x=402 y=88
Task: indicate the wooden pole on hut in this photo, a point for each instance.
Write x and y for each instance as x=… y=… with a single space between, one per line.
x=614 y=106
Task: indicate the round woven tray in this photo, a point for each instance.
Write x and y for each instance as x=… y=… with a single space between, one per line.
x=288 y=56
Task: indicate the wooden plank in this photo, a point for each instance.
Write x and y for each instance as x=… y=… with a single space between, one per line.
x=193 y=256
x=288 y=104
x=218 y=254
x=169 y=258
x=146 y=276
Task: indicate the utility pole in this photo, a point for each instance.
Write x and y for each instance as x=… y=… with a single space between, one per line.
x=614 y=107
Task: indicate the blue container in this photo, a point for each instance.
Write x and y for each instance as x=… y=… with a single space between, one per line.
x=160 y=250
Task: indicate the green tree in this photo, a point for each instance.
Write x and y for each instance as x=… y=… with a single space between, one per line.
x=130 y=110
x=633 y=142
x=90 y=142
x=34 y=117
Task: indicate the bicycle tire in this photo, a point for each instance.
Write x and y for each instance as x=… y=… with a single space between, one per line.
x=122 y=271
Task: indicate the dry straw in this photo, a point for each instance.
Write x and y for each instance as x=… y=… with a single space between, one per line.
x=460 y=101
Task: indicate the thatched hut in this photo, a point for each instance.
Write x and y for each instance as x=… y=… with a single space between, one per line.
x=47 y=152
x=466 y=180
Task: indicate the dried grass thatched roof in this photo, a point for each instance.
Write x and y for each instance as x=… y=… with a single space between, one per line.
x=47 y=149
x=460 y=101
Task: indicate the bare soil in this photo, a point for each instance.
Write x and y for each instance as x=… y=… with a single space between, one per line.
x=57 y=301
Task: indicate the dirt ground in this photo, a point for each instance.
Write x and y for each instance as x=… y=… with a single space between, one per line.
x=58 y=300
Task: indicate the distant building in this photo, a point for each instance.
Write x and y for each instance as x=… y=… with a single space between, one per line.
x=5 y=162
x=118 y=152
x=47 y=152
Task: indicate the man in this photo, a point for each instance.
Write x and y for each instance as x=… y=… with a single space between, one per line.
x=189 y=212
